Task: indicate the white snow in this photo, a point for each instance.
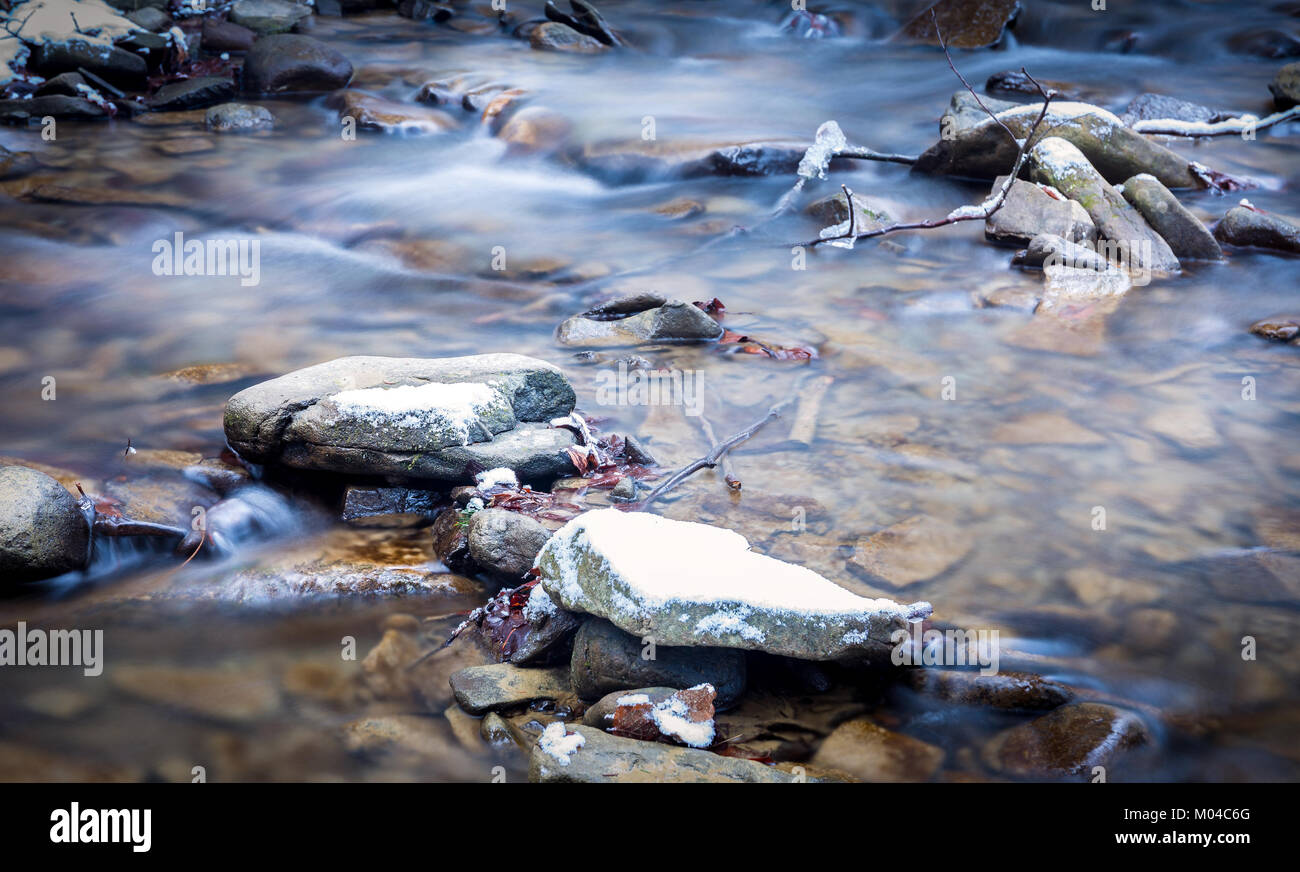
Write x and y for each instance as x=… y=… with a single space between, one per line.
x=455 y=406
x=672 y=717
x=1061 y=157
x=663 y=561
x=557 y=741
x=539 y=605
x=502 y=476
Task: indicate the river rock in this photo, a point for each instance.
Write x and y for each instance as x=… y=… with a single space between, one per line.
x=1158 y=107
x=293 y=62
x=1286 y=86
x=974 y=145
x=869 y=752
x=577 y=753
x=268 y=16
x=1011 y=691
x=1247 y=226
x=1067 y=742
x=56 y=105
x=601 y=713
x=1187 y=236
x=409 y=419
x=1031 y=210
x=674 y=321
x=226 y=36
x=630 y=161
x=606 y=659
x=42 y=531
x=238 y=118
x=1057 y=162
x=192 y=94
x=685 y=583
x=118 y=66
x=554 y=36
x=915 y=549
x=389 y=116
x=963 y=23
x=1283 y=328
x=478 y=689
x=151 y=19
x=505 y=543
x=834 y=209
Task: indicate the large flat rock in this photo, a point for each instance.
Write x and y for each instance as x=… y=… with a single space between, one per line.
x=684 y=583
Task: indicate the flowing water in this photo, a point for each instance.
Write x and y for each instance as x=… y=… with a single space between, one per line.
x=1127 y=508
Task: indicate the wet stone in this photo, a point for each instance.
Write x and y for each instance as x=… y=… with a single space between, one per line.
x=1069 y=741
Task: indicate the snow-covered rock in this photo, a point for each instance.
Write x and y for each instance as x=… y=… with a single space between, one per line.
x=691 y=584
x=408 y=418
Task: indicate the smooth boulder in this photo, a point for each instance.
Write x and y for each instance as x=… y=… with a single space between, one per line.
x=293 y=62
x=42 y=531
x=1187 y=237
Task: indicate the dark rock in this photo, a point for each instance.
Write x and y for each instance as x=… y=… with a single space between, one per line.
x=478 y=689
x=226 y=36
x=64 y=84
x=1248 y=226
x=292 y=62
x=1158 y=107
x=42 y=530
x=675 y=321
x=1286 y=86
x=368 y=506
x=636 y=160
x=238 y=118
x=1006 y=690
x=1069 y=741
x=1029 y=211
x=56 y=105
x=1187 y=236
x=1016 y=82
x=114 y=64
x=606 y=659
x=1283 y=328
x=192 y=94
x=869 y=752
x=963 y=23
x=504 y=543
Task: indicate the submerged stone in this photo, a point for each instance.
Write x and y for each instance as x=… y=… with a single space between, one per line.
x=691 y=584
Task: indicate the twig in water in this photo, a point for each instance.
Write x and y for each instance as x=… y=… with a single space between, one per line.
x=805 y=414
x=1226 y=127
x=715 y=455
